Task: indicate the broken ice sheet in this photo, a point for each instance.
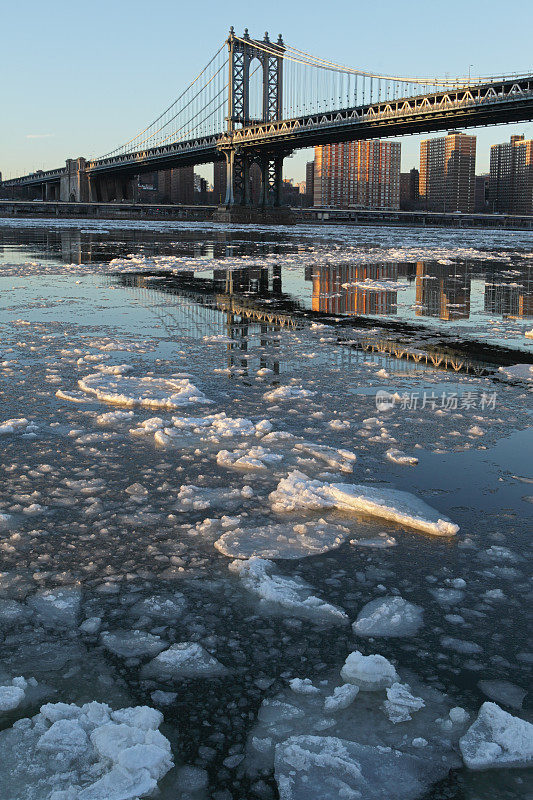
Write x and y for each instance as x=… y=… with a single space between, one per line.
x=275 y=540
x=281 y=594
x=298 y=492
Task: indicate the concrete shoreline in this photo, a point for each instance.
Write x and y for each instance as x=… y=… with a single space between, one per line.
x=276 y=216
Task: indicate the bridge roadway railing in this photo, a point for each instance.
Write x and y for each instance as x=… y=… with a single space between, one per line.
x=472 y=97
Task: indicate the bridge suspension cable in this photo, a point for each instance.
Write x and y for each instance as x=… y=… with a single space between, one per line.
x=311 y=85
x=207 y=87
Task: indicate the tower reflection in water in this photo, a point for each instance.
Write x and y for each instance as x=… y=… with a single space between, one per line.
x=443 y=290
x=341 y=289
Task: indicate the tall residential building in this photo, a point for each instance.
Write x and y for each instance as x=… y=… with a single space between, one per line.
x=511 y=176
x=176 y=185
x=409 y=189
x=448 y=173
x=365 y=174
x=310 y=180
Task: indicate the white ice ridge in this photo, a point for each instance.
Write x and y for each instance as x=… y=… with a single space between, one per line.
x=297 y=492
x=291 y=594
x=518 y=372
x=282 y=540
x=288 y=393
x=497 y=739
x=342 y=460
x=21 y=425
x=251 y=458
x=90 y=752
x=399 y=457
x=212 y=427
x=111 y=385
x=388 y=616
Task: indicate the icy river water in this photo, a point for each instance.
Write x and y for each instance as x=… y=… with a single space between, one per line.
x=265 y=512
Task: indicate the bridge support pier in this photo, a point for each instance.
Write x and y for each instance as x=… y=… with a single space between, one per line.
x=74 y=185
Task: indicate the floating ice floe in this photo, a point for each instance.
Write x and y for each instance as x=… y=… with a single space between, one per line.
x=400 y=703
x=327 y=768
x=518 y=372
x=198 y=498
x=248 y=458
x=342 y=460
x=282 y=592
x=87 y=752
x=160 y=607
x=399 y=457
x=342 y=697
x=210 y=428
x=57 y=607
x=282 y=541
x=111 y=386
x=371 y=673
x=72 y=396
x=13 y=694
x=391 y=719
x=288 y=393
x=497 y=739
x=21 y=425
x=182 y=661
x=388 y=616
x=132 y=644
x=114 y=417
x=503 y=692
x=297 y=492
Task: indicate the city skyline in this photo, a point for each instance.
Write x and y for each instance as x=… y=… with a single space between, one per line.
x=41 y=133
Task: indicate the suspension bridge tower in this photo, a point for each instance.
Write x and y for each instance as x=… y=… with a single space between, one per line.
x=243 y=52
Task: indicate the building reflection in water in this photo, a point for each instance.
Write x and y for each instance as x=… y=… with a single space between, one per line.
x=510 y=294
x=341 y=290
x=443 y=290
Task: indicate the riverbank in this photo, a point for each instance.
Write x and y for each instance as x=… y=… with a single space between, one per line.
x=286 y=216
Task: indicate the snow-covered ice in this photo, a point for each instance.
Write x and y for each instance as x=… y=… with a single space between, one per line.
x=497 y=739
x=282 y=540
x=289 y=594
x=388 y=616
x=371 y=673
x=184 y=660
x=87 y=752
x=298 y=492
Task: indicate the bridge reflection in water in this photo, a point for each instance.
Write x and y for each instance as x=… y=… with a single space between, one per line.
x=248 y=305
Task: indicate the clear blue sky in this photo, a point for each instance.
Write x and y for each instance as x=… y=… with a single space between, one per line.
x=81 y=77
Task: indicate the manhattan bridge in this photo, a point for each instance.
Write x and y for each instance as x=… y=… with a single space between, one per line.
x=258 y=100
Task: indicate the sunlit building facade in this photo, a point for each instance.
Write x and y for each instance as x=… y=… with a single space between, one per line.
x=511 y=176
x=448 y=173
x=362 y=174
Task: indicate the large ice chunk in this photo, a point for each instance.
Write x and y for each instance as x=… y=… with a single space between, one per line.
x=497 y=739
x=132 y=644
x=292 y=594
x=81 y=753
x=400 y=703
x=282 y=541
x=370 y=673
x=184 y=660
x=297 y=492
x=327 y=768
x=388 y=616
x=57 y=607
x=148 y=392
